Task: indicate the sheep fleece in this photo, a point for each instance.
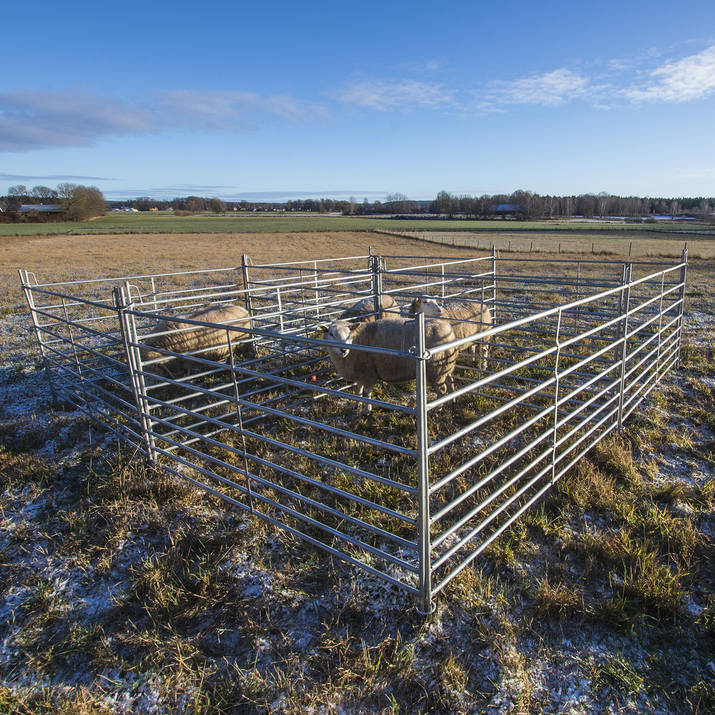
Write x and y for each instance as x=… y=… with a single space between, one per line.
x=475 y=312
x=361 y=311
x=396 y=334
x=189 y=338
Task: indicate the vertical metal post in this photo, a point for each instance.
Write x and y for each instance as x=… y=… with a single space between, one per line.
x=279 y=305
x=625 y=310
x=494 y=282
x=660 y=327
x=557 y=376
x=423 y=487
x=617 y=343
x=30 y=299
x=245 y=262
x=681 y=297
x=376 y=271
x=134 y=363
x=578 y=292
x=317 y=291
x=282 y=343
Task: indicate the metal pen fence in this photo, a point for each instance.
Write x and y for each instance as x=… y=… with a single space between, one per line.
x=416 y=491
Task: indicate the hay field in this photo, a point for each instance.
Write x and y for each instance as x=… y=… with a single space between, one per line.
x=124 y=591
x=588 y=244
x=62 y=258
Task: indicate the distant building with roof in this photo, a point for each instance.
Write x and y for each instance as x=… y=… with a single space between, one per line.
x=42 y=208
x=506 y=210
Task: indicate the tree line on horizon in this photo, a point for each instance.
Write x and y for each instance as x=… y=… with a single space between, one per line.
x=521 y=204
x=80 y=203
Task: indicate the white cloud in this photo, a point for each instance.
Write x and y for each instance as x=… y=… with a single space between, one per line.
x=686 y=80
x=551 y=89
x=36 y=120
x=406 y=94
x=30 y=120
x=227 y=110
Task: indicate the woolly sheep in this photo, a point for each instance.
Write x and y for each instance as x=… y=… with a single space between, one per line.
x=181 y=337
x=365 y=368
x=466 y=317
x=365 y=310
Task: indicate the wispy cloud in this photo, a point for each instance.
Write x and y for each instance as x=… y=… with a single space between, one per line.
x=689 y=79
x=55 y=177
x=31 y=120
x=36 y=120
x=229 y=193
x=551 y=89
x=403 y=95
x=234 y=110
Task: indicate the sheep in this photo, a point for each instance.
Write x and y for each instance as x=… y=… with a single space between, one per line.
x=365 y=312
x=177 y=336
x=365 y=368
x=466 y=317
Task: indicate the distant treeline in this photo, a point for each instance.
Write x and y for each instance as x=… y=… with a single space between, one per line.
x=522 y=205
x=519 y=205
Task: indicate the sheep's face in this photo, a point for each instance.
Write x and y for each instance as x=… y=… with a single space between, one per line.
x=340 y=332
x=429 y=307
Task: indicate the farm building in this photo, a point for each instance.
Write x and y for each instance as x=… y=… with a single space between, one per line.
x=42 y=208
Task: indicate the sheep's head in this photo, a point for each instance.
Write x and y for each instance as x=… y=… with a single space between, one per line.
x=340 y=332
x=429 y=306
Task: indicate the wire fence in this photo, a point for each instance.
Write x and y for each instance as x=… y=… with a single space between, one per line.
x=417 y=490
x=699 y=244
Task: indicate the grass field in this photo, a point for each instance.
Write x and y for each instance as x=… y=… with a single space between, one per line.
x=153 y=222
x=124 y=591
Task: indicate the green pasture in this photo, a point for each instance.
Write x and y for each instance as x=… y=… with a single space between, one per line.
x=146 y=222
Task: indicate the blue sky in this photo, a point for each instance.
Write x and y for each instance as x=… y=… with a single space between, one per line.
x=279 y=100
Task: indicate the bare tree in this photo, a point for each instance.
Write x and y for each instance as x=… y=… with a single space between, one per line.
x=350 y=206
x=398 y=203
x=445 y=203
x=83 y=202
x=44 y=193
x=602 y=202
x=195 y=203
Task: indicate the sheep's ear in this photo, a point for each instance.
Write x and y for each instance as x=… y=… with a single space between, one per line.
x=323 y=328
x=354 y=327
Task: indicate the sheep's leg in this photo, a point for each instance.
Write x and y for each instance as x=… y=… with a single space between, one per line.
x=484 y=352
x=448 y=384
x=366 y=391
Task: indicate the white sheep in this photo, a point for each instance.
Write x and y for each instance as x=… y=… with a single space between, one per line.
x=466 y=317
x=210 y=343
x=365 y=311
x=365 y=368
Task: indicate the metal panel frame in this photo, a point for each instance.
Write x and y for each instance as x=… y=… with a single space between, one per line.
x=417 y=491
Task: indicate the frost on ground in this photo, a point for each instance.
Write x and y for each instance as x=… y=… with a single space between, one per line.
x=125 y=591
